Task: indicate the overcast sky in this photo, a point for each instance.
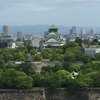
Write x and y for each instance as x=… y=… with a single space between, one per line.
x=58 y=12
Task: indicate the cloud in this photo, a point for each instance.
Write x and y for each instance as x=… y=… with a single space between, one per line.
x=46 y=5
x=28 y=5
x=36 y=7
x=47 y=11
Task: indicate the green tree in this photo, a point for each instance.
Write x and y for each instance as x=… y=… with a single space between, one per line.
x=86 y=58
x=27 y=68
x=85 y=81
x=11 y=66
x=19 y=56
x=96 y=79
x=38 y=57
x=58 y=79
x=97 y=56
x=23 y=49
x=57 y=66
x=90 y=67
x=39 y=80
x=9 y=78
x=33 y=51
x=73 y=44
x=55 y=56
x=8 y=57
x=47 y=68
x=1 y=76
x=1 y=61
x=79 y=41
x=69 y=66
x=69 y=56
x=46 y=54
x=23 y=81
x=7 y=54
x=94 y=42
x=15 y=79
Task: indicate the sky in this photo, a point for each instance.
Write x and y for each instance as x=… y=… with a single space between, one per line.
x=58 y=12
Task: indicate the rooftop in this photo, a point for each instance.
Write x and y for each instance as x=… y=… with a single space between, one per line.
x=92 y=46
x=53 y=27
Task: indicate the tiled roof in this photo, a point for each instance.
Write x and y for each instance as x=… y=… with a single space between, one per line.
x=52 y=40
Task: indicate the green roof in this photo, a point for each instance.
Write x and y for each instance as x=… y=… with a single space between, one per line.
x=53 y=27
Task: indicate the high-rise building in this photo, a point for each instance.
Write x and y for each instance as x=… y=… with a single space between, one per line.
x=74 y=29
x=5 y=29
x=5 y=35
x=82 y=31
x=5 y=38
x=19 y=36
x=73 y=34
x=93 y=31
x=70 y=31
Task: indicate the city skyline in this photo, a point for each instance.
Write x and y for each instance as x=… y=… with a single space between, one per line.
x=59 y=12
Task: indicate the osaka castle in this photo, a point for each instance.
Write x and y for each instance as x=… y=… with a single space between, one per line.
x=52 y=38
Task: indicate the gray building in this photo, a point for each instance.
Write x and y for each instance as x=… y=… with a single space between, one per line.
x=5 y=29
x=19 y=36
x=35 y=41
x=5 y=37
x=73 y=34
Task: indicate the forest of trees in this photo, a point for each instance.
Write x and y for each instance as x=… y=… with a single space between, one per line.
x=23 y=76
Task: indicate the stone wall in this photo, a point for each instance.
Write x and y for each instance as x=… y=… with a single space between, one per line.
x=21 y=95
x=50 y=94
x=64 y=94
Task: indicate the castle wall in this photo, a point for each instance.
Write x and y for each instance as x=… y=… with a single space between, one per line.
x=50 y=94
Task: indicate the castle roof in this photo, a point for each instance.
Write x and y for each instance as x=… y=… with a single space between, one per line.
x=53 y=27
x=52 y=41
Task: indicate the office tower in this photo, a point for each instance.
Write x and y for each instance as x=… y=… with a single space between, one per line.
x=5 y=35
x=19 y=36
x=93 y=31
x=5 y=29
x=70 y=31
x=74 y=29
x=6 y=38
x=73 y=33
x=82 y=31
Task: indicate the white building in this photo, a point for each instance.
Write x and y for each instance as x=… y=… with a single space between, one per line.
x=13 y=46
x=91 y=51
x=35 y=41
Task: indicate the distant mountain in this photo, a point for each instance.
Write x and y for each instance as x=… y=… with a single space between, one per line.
x=40 y=29
x=33 y=29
